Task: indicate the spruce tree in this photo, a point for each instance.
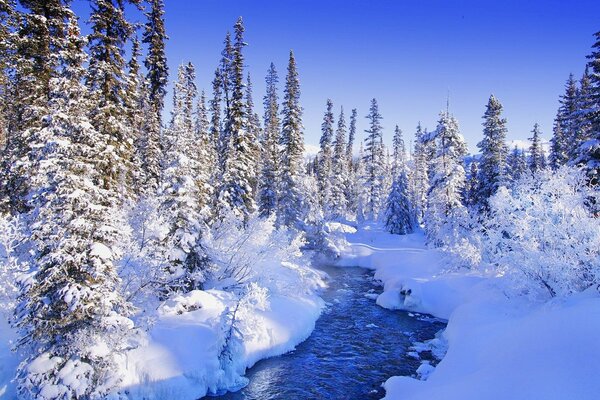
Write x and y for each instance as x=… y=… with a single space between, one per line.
x=588 y=152
x=290 y=203
x=70 y=304
x=399 y=218
x=325 y=157
x=254 y=134
x=419 y=179
x=206 y=158
x=267 y=200
x=445 y=196
x=351 y=137
x=473 y=186
x=492 y=165
x=536 y=157
x=374 y=160
x=558 y=145
x=565 y=133
x=154 y=37
x=238 y=190
x=106 y=82
x=180 y=192
x=8 y=21
x=339 y=171
x=399 y=152
x=516 y=164
x=38 y=42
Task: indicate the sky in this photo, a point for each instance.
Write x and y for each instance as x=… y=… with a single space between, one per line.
x=412 y=56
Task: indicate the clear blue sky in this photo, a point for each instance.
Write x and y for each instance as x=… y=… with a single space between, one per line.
x=407 y=54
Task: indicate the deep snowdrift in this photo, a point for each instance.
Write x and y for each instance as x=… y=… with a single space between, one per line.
x=499 y=347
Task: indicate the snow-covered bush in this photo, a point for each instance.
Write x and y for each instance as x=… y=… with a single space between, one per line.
x=543 y=233
x=12 y=236
x=258 y=253
x=540 y=234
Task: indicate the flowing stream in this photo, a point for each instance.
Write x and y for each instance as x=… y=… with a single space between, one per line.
x=355 y=347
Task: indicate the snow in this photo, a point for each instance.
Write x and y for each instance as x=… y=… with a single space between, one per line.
x=179 y=358
x=498 y=347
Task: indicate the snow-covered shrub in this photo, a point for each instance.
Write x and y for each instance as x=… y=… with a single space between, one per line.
x=256 y=252
x=12 y=236
x=542 y=234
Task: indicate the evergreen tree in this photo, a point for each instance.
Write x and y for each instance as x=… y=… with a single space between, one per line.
x=588 y=152
x=374 y=163
x=516 y=164
x=154 y=37
x=399 y=215
x=270 y=150
x=399 y=152
x=206 y=158
x=70 y=304
x=536 y=156
x=237 y=191
x=564 y=132
x=180 y=192
x=325 y=157
x=339 y=171
x=581 y=122
x=351 y=136
x=8 y=21
x=419 y=179
x=107 y=84
x=473 y=186
x=492 y=165
x=38 y=42
x=290 y=203
x=444 y=201
x=215 y=119
x=254 y=134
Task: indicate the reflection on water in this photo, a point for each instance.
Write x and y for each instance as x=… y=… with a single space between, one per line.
x=354 y=348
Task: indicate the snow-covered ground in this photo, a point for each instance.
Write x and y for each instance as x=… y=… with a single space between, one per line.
x=499 y=347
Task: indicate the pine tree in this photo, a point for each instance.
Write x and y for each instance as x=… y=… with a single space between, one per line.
x=290 y=203
x=445 y=202
x=215 y=119
x=107 y=84
x=536 y=157
x=374 y=163
x=38 y=42
x=237 y=192
x=564 y=132
x=8 y=21
x=581 y=122
x=351 y=136
x=399 y=152
x=206 y=158
x=270 y=150
x=180 y=192
x=473 y=186
x=254 y=134
x=339 y=171
x=492 y=165
x=399 y=218
x=325 y=157
x=588 y=152
x=516 y=164
x=70 y=304
x=157 y=79
x=419 y=179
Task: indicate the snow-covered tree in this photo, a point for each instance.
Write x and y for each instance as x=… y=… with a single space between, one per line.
x=339 y=171
x=71 y=315
x=516 y=164
x=419 y=178
x=154 y=37
x=398 y=162
x=239 y=178
x=492 y=165
x=206 y=157
x=180 y=191
x=473 y=185
x=268 y=182
x=325 y=157
x=290 y=202
x=351 y=137
x=399 y=217
x=107 y=84
x=536 y=153
x=564 y=132
x=374 y=160
x=444 y=201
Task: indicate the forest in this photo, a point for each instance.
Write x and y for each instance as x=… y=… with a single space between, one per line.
x=129 y=233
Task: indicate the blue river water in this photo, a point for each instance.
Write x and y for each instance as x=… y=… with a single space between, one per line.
x=355 y=347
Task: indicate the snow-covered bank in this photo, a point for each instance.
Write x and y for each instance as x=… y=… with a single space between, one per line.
x=181 y=356
x=499 y=347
